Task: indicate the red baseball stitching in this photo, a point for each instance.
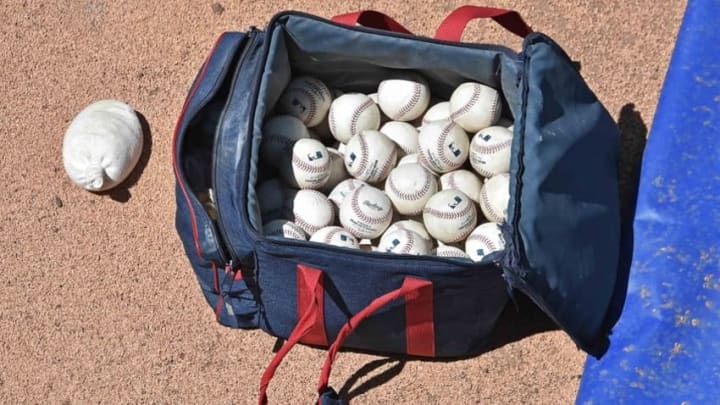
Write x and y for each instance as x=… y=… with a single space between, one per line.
x=317 y=87
x=441 y=145
x=307 y=167
x=362 y=164
x=414 y=196
x=449 y=215
x=328 y=237
x=483 y=239
x=473 y=100
x=356 y=115
x=294 y=232
x=311 y=229
x=414 y=99
x=485 y=149
x=447 y=251
x=387 y=166
x=411 y=242
x=355 y=205
x=331 y=122
x=486 y=202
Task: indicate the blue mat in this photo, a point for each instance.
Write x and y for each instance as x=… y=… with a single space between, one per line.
x=666 y=346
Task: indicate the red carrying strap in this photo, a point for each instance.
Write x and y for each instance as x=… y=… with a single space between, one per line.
x=372 y=19
x=310 y=327
x=452 y=27
x=420 y=327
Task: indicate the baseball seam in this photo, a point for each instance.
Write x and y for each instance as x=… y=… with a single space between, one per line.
x=485 y=149
x=470 y=103
x=356 y=115
x=306 y=226
x=448 y=215
x=451 y=182
x=414 y=196
x=294 y=232
x=410 y=243
x=414 y=99
x=485 y=201
x=355 y=205
x=329 y=236
x=317 y=89
x=447 y=251
x=483 y=239
x=312 y=108
x=362 y=164
x=307 y=167
x=441 y=145
x=385 y=168
x=331 y=122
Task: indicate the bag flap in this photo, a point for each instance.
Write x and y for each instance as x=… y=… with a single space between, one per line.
x=564 y=211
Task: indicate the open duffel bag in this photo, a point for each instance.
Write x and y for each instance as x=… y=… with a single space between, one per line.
x=562 y=233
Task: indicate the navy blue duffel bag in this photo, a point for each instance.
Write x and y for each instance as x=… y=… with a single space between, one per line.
x=563 y=227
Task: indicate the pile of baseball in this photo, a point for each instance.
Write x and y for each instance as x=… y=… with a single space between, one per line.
x=384 y=172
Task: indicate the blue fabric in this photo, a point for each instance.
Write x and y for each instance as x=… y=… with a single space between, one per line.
x=564 y=212
x=666 y=346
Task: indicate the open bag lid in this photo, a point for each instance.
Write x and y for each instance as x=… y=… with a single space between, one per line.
x=564 y=232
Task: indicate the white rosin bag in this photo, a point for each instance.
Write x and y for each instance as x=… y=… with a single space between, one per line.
x=102 y=145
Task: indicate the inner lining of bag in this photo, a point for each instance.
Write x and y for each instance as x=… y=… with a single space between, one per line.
x=353 y=61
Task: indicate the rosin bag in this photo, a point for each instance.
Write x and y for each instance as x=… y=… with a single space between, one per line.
x=559 y=221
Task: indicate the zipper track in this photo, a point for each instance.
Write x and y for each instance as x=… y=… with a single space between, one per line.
x=225 y=240
x=258 y=236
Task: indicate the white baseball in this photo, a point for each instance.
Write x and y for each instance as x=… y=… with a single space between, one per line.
x=450 y=251
x=410 y=225
x=403 y=134
x=485 y=239
x=490 y=151
x=410 y=187
x=310 y=165
x=369 y=156
x=366 y=212
x=443 y=146
x=494 y=197
x=336 y=236
x=279 y=136
x=463 y=180
x=306 y=98
x=343 y=189
x=450 y=216
x=408 y=159
x=403 y=241
x=352 y=113
x=338 y=172
x=271 y=199
x=284 y=229
x=438 y=112
x=475 y=106
x=404 y=99
x=312 y=211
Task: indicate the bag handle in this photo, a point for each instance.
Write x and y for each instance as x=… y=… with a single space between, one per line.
x=372 y=19
x=420 y=327
x=452 y=27
x=310 y=327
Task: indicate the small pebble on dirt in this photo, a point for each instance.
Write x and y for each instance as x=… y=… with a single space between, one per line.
x=218 y=8
x=58 y=202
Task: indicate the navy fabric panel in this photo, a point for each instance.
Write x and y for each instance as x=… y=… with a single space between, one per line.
x=666 y=346
x=566 y=204
x=467 y=299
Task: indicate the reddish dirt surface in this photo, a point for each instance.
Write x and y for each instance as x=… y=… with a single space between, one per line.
x=99 y=303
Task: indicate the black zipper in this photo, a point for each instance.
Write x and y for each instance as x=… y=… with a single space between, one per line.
x=234 y=258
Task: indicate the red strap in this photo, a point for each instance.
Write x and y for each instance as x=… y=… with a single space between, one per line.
x=372 y=19
x=307 y=323
x=420 y=330
x=453 y=25
x=310 y=289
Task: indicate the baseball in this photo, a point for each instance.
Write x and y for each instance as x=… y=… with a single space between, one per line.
x=494 y=197
x=403 y=134
x=352 y=113
x=279 y=136
x=404 y=99
x=306 y=98
x=490 y=151
x=463 y=180
x=450 y=251
x=271 y=199
x=336 y=236
x=475 y=106
x=284 y=229
x=403 y=241
x=483 y=240
x=310 y=165
x=410 y=187
x=369 y=156
x=312 y=211
x=438 y=112
x=408 y=159
x=449 y=216
x=410 y=225
x=345 y=187
x=366 y=212
x=338 y=172
x=443 y=146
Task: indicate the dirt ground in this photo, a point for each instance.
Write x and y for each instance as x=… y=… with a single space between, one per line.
x=99 y=303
